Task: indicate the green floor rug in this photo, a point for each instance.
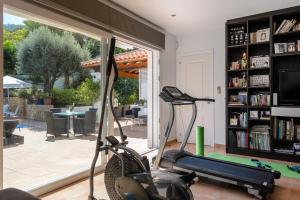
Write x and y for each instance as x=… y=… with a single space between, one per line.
x=276 y=166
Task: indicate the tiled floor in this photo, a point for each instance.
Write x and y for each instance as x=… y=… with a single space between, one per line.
x=41 y=160
x=285 y=189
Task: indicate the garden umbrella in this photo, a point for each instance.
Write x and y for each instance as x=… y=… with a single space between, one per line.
x=14 y=83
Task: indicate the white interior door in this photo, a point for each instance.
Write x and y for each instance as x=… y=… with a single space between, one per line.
x=195 y=77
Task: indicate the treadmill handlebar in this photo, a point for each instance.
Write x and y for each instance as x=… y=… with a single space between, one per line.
x=175 y=96
x=199 y=99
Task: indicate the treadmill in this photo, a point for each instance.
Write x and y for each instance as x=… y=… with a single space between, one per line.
x=258 y=181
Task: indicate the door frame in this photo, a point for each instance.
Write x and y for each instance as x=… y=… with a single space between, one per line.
x=153 y=65
x=211 y=55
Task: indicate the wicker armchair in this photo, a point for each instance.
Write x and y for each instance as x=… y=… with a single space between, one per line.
x=85 y=125
x=56 y=126
x=9 y=127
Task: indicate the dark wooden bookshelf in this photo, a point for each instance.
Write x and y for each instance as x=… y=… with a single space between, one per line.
x=277 y=62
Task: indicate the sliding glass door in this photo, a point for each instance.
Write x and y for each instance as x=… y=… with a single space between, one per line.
x=52 y=84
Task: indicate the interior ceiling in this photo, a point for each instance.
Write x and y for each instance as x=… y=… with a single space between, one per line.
x=194 y=16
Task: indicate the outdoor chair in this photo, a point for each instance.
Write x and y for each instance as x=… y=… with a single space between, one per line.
x=55 y=110
x=56 y=126
x=85 y=125
x=132 y=114
x=12 y=114
x=9 y=127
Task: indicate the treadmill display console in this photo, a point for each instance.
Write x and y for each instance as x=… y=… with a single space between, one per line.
x=174 y=92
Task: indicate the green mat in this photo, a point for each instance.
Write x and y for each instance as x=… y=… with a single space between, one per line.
x=276 y=166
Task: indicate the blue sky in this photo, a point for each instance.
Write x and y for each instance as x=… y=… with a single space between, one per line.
x=11 y=19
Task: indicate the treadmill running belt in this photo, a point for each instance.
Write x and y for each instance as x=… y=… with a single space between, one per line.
x=225 y=170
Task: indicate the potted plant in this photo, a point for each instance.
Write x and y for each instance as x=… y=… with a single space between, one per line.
x=47 y=99
x=40 y=98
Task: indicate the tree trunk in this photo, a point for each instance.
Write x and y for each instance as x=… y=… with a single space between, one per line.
x=47 y=84
x=67 y=80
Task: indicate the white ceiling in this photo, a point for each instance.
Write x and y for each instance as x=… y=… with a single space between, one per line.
x=194 y=16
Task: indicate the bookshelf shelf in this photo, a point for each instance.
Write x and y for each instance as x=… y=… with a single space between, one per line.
x=259 y=87
x=237 y=127
x=259 y=69
x=237 y=106
x=286 y=54
x=277 y=62
x=237 y=70
x=260 y=107
x=290 y=33
x=237 y=46
x=260 y=120
x=237 y=88
x=259 y=43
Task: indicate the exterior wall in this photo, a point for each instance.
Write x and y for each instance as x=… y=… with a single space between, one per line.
x=143 y=84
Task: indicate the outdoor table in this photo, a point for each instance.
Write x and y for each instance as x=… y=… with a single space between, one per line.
x=69 y=114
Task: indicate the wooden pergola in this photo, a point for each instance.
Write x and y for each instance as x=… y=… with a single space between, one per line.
x=129 y=63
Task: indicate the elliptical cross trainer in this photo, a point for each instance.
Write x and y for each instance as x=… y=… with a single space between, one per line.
x=128 y=175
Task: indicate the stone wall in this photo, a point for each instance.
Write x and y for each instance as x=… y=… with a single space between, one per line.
x=27 y=111
x=36 y=112
x=14 y=102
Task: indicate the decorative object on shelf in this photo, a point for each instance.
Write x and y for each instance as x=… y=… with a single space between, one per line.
x=240 y=64
x=233 y=121
x=244 y=61
x=260 y=80
x=254 y=114
x=259 y=61
x=238 y=82
x=280 y=48
x=238 y=119
x=297 y=150
x=260 y=99
x=238 y=36
x=235 y=66
x=265 y=115
x=297 y=128
x=291 y=47
x=240 y=99
x=298 y=45
x=263 y=35
x=296 y=27
x=253 y=37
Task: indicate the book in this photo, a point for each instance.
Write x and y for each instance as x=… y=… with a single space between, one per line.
x=281 y=25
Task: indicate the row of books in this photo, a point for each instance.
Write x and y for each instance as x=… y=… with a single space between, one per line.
x=286 y=130
x=260 y=99
x=242 y=139
x=259 y=138
x=286 y=26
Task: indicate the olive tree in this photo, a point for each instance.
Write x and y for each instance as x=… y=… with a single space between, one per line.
x=45 y=56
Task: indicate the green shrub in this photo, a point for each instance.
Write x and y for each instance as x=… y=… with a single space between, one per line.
x=88 y=92
x=23 y=93
x=63 y=97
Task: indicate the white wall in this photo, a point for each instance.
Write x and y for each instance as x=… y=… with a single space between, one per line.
x=207 y=40
x=167 y=77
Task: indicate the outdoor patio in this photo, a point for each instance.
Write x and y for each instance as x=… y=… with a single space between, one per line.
x=41 y=160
